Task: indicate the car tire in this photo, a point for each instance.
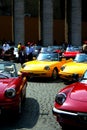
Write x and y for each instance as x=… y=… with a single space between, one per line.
x=55 y=74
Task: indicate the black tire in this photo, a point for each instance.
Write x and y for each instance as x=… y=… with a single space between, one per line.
x=55 y=74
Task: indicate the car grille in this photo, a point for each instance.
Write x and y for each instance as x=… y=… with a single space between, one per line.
x=82 y=117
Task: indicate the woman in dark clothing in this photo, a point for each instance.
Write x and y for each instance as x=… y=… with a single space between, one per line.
x=22 y=55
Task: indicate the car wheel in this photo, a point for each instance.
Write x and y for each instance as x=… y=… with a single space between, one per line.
x=55 y=74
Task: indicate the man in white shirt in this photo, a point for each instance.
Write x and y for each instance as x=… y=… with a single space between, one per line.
x=6 y=47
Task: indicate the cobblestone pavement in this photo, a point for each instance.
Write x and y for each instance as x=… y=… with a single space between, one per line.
x=37 y=110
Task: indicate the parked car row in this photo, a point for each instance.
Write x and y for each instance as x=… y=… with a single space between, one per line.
x=52 y=64
x=46 y=64
x=70 y=103
x=12 y=53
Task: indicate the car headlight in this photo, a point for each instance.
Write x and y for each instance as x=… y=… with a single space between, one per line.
x=10 y=93
x=62 y=68
x=47 y=68
x=60 y=98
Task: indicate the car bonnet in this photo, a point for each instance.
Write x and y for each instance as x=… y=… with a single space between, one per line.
x=6 y=83
x=79 y=91
x=74 y=67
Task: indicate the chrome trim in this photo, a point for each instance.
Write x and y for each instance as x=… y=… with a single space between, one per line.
x=57 y=111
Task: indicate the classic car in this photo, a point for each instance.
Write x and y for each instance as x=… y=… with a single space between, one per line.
x=71 y=52
x=12 y=89
x=47 y=64
x=59 y=49
x=70 y=104
x=36 y=50
x=77 y=66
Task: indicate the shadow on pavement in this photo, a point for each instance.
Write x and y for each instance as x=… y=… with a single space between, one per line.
x=44 y=80
x=28 y=119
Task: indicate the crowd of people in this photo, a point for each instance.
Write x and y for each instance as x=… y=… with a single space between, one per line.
x=6 y=52
x=25 y=51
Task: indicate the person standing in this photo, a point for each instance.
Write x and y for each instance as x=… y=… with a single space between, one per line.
x=19 y=46
x=6 y=51
x=5 y=47
x=29 y=51
x=22 y=55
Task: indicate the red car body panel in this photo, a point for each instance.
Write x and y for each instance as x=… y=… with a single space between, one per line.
x=18 y=84
x=74 y=108
x=76 y=99
x=12 y=87
x=70 y=54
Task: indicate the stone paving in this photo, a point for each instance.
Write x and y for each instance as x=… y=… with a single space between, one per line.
x=44 y=94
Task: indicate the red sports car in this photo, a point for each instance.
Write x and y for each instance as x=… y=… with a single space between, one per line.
x=70 y=105
x=12 y=88
x=71 y=52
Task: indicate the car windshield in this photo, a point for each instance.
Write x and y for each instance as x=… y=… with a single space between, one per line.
x=81 y=58
x=7 y=70
x=53 y=48
x=48 y=56
x=84 y=77
x=71 y=49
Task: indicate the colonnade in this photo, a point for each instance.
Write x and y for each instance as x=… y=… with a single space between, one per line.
x=73 y=22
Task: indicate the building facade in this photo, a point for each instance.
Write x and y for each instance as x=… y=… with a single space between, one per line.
x=69 y=29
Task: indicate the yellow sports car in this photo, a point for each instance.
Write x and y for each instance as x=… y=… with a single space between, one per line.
x=77 y=67
x=47 y=64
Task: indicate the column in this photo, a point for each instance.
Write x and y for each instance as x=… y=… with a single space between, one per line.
x=18 y=21
x=76 y=22
x=47 y=22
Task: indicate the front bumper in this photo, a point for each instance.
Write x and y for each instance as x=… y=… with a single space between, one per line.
x=77 y=119
x=57 y=111
x=38 y=74
x=9 y=106
x=65 y=76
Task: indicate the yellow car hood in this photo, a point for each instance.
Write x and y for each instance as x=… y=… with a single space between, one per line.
x=75 y=67
x=38 y=65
